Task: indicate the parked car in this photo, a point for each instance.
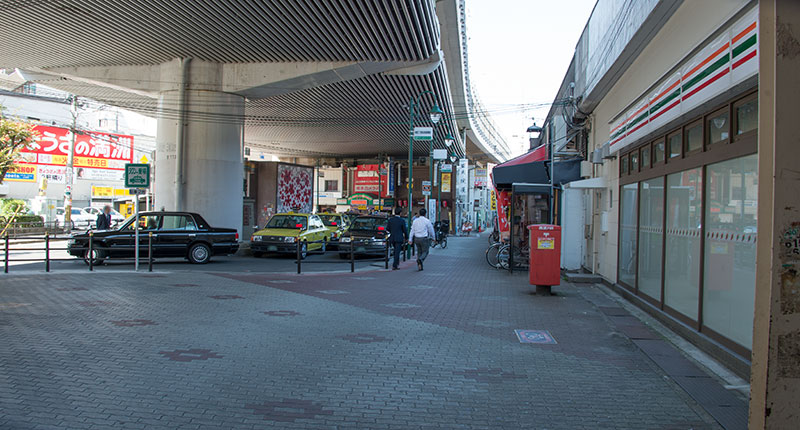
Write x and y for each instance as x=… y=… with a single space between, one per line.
x=368 y=233
x=336 y=224
x=116 y=217
x=283 y=231
x=78 y=218
x=175 y=234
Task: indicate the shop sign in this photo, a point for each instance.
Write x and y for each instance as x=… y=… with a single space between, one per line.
x=21 y=173
x=95 y=150
x=480 y=177
x=447 y=167
x=423 y=133
x=102 y=192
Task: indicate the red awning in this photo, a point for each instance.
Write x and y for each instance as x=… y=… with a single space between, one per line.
x=538 y=154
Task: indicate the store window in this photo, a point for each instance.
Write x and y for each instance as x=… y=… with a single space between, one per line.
x=627 y=240
x=682 y=260
x=646 y=157
x=694 y=137
x=658 y=151
x=746 y=116
x=634 y=161
x=718 y=127
x=730 y=248
x=674 y=143
x=331 y=185
x=623 y=165
x=651 y=219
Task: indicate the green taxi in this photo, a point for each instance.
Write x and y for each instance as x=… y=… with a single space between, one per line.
x=284 y=230
x=336 y=224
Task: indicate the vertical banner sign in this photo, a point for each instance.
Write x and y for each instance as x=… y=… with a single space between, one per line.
x=503 y=202
x=480 y=178
x=390 y=182
x=446 y=182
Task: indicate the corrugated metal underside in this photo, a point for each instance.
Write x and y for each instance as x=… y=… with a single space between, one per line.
x=53 y=33
x=362 y=117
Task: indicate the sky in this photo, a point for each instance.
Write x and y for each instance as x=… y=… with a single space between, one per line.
x=519 y=51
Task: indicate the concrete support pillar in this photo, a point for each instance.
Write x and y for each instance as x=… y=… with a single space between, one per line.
x=212 y=155
x=775 y=378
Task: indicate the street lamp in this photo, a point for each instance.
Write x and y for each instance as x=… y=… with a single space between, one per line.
x=436 y=114
x=449 y=140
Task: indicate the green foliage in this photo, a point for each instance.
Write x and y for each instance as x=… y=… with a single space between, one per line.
x=9 y=207
x=26 y=220
x=14 y=136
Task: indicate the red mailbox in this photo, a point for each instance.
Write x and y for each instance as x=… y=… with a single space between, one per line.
x=545 y=255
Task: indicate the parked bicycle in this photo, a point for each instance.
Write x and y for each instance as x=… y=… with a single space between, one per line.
x=441 y=228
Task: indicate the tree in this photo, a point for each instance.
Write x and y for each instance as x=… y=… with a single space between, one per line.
x=14 y=136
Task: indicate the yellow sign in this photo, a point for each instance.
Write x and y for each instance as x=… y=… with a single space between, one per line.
x=546 y=243
x=121 y=192
x=493 y=201
x=144 y=160
x=21 y=173
x=446 y=182
x=102 y=191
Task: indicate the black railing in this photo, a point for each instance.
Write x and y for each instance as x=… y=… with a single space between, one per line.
x=89 y=255
x=351 y=252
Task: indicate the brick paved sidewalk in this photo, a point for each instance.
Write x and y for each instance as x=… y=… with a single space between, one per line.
x=378 y=349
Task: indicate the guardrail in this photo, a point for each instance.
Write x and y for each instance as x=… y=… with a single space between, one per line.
x=352 y=260
x=89 y=258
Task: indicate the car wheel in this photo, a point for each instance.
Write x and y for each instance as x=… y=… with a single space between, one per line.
x=199 y=253
x=257 y=254
x=97 y=257
x=304 y=250
x=444 y=243
x=324 y=246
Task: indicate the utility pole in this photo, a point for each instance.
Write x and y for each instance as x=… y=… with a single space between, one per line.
x=68 y=168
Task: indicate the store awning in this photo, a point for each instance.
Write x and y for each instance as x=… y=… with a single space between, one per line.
x=535 y=172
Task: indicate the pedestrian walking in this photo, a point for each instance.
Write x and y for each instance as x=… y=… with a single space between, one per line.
x=398 y=234
x=421 y=235
x=104 y=219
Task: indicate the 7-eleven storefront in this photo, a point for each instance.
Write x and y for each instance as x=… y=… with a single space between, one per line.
x=682 y=196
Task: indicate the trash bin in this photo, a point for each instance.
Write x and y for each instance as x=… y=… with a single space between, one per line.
x=545 y=257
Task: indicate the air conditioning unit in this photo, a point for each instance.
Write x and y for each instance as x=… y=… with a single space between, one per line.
x=607 y=152
x=586 y=169
x=597 y=156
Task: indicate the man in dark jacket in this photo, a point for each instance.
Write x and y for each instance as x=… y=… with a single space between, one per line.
x=398 y=235
x=104 y=219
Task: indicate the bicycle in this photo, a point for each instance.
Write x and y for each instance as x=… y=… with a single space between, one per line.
x=521 y=257
x=492 y=252
x=441 y=228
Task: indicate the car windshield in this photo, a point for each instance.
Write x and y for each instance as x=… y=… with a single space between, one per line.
x=368 y=223
x=77 y=212
x=330 y=220
x=287 y=221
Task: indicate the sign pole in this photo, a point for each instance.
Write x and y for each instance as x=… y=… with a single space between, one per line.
x=136 y=233
x=68 y=168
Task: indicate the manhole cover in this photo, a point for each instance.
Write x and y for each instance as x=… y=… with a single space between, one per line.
x=489 y=375
x=401 y=305
x=133 y=323
x=332 y=292
x=282 y=313
x=364 y=338
x=95 y=303
x=492 y=324
x=535 y=336
x=190 y=354
x=288 y=410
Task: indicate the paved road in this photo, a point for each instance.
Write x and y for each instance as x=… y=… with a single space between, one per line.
x=375 y=349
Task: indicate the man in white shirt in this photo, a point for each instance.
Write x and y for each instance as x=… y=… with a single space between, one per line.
x=421 y=235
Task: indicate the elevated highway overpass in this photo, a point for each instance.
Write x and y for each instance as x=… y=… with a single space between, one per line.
x=306 y=78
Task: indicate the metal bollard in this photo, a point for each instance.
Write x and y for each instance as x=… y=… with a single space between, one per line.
x=298 y=255
x=352 y=257
x=405 y=250
x=150 y=251
x=386 y=262
x=6 y=253
x=47 y=252
x=89 y=254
